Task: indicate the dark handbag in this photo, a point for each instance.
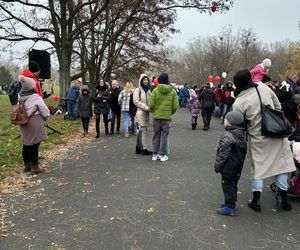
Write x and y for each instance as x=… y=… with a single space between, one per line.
x=273 y=122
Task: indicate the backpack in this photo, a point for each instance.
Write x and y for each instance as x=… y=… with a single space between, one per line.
x=18 y=115
x=13 y=92
x=132 y=107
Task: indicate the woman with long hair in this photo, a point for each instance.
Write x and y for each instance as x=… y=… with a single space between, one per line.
x=101 y=99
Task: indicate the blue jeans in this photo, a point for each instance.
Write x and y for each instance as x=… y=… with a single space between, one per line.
x=126 y=119
x=281 y=181
x=71 y=106
x=226 y=109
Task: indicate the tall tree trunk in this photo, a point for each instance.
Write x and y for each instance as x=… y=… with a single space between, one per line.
x=64 y=72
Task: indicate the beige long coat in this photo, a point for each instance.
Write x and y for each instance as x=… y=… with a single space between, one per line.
x=140 y=100
x=269 y=156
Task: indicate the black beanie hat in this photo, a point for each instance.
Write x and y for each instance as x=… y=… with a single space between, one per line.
x=163 y=78
x=34 y=66
x=242 y=78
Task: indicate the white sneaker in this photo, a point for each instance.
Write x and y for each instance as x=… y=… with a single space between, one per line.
x=155 y=157
x=164 y=158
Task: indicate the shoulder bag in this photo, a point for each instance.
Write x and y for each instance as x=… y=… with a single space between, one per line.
x=273 y=122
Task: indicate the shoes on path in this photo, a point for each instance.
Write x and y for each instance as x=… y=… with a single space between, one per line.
x=226 y=211
x=155 y=157
x=146 y=152
x=126 y=135
x=164 y=158
x=138 y=150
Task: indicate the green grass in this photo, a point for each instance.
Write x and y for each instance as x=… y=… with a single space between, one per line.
x=11 y=145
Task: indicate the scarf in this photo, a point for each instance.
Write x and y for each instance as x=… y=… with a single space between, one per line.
x=239 y=89
x=26 y=92
x=145 y=87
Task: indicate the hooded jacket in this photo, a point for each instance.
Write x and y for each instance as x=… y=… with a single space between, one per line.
x=258 y=72
x=85 y=103
x=38 y=88
x=231 y=153
x=140 y=100
x=163 y=102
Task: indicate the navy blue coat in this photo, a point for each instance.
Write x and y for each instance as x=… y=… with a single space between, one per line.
x=72 y=94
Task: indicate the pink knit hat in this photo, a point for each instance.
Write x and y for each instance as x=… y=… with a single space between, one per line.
x=27 y=82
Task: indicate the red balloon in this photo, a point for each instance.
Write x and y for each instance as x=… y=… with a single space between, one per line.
x=210 y=78
x=213 y=8
x=218 y=79
x=55 y=98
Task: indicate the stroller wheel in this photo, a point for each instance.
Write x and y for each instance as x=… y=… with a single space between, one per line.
x=273 y=187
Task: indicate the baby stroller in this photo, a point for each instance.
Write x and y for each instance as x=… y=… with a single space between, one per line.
x=294 y=179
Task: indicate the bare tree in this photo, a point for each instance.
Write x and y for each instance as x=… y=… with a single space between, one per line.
x=54 y=22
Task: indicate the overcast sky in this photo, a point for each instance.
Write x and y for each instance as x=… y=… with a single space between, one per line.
x=271 y=20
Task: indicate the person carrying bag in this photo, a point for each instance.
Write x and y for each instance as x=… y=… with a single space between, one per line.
x=273 y=122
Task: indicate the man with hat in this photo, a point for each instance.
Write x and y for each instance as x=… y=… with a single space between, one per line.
x=163 y=103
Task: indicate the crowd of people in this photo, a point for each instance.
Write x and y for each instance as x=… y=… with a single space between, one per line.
x=235 y=103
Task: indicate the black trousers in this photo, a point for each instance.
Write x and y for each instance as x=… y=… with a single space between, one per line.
x=85 y=123
x=206 y=116
x=230 y=191
x=105 y=120
x=115 y=115
x=31 y=153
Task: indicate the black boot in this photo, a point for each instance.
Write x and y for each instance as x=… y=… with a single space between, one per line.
x=146 y=152
x=284 y=203
x=97 y=129
x=193 y=126
x=138 y=150
x=255 y=203
x=106 y=128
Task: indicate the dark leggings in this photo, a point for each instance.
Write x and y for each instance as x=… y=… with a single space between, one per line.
x=105 y=120
x=31 y=153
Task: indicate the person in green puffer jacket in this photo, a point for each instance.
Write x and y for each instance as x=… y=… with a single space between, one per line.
x=163 y=103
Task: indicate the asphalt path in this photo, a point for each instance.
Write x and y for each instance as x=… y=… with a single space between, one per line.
x=107 y=197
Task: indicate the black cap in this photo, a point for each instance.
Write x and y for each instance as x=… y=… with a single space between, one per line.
x=34 y=66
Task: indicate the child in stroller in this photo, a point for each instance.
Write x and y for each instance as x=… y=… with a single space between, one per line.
x=294 y=180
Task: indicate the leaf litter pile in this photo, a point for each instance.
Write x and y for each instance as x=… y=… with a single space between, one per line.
x=16 y=180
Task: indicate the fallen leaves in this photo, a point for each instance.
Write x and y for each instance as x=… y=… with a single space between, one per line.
x=151 y=210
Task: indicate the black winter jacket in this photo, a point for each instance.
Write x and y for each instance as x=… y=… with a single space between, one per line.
x=231 y=153
x=114 y=103
x=208 y=98
x=101 y=98
x=85 y=104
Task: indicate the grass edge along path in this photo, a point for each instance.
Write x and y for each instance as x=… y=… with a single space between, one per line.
x=11 y=144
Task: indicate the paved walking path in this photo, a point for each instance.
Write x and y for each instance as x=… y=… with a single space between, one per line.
x=110 y=198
